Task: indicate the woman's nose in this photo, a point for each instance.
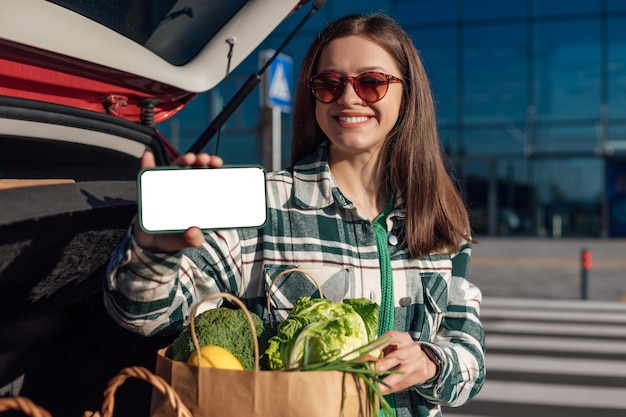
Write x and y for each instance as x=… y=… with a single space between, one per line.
x=349 y=94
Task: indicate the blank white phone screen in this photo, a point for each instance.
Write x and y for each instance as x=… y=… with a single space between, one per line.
x=174 y=199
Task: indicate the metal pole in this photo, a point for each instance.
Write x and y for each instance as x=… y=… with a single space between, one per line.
x=585 y=266
x=276 y=138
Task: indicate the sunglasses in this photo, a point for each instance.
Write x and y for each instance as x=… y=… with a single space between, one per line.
x=370 y=86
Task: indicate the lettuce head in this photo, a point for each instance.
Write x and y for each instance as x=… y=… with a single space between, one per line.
x=320 y=330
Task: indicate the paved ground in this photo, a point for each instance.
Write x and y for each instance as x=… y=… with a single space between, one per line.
x=551 y=358
x=549 y=268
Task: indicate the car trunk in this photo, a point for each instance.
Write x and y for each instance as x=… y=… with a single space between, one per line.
x=64 y=205
x=83 y=85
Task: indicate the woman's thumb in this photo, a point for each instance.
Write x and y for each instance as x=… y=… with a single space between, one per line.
x=147 y=160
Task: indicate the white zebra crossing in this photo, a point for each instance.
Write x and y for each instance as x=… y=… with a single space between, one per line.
x=543 y=354
x=563 y=366
x=553 y=394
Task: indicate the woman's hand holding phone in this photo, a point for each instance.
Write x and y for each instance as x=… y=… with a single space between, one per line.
x=173 y=242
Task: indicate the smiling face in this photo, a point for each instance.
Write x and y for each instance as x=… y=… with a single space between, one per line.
x=353 y=125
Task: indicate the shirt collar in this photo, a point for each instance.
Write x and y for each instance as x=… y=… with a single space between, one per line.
x=315 y=187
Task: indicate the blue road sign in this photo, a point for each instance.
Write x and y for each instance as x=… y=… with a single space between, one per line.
x=279 y=82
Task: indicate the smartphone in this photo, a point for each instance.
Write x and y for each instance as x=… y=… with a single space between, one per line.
x=172 y=199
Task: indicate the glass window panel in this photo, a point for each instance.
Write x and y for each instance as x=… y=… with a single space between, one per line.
x=487 y=9
x=616 y=139
x=448 y=136
x=240 y=147
x=184 y=127
x=569 y=192
x=564 y=7
x=475 y=189
x=514 y=198
x=616 y=196
x=195 y=114
x=424 y=11
x=565 y=139
x=241 y=117
x=616 y=5
x=342 y=8
x=567 y=69
x=190 y=123
x=514 y=173
x=495 y=73
x=296 y=48
x=498 y=195
x=501 y=141
x=437 y=47
x=616 y=68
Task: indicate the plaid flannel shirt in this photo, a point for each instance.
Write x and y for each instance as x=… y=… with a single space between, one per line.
x=312 y=226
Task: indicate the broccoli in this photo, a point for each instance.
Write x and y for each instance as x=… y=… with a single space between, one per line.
x=223 y=327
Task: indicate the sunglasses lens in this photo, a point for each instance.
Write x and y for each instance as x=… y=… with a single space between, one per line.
x=326 y=87
x=372 y=87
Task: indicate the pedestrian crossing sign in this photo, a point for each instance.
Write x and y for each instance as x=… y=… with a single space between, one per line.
x=278 y=83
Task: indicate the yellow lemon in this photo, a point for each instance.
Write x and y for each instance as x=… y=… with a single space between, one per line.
x=215 y=357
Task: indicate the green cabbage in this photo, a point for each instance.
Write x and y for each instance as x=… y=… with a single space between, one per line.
x=319 y=330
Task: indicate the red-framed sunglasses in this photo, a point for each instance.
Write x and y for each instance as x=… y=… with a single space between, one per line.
x=370 y=86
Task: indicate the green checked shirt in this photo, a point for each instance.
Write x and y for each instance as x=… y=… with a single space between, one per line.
x=312 y=226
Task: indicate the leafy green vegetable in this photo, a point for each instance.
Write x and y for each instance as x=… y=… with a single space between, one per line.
x=225 y=327
x=320 y=330
x=368 y=312
x=364 y=370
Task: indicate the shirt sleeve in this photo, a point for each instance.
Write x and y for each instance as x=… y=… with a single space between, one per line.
x=153 y=293
x=460 y=341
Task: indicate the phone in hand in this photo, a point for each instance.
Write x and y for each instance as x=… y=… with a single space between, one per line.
x=172 y=199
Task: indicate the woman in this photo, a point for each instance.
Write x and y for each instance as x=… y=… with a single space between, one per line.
x=368 y=209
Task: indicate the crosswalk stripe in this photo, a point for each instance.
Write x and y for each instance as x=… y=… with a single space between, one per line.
x=553 y=304
x=552 y=394
x=550 y=358
x=563 y=366
x=463 y=415
x=550 y=328
x=555 y=344
x=582 y=316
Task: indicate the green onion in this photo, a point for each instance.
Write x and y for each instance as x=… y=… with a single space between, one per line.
x=361 y=368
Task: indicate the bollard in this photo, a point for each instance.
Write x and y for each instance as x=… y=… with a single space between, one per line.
x=585 y=266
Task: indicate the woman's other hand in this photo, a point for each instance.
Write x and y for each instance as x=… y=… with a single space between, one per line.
x=173 y=242
x=404 y=356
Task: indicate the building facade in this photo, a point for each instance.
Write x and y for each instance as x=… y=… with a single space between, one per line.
x=531 y=103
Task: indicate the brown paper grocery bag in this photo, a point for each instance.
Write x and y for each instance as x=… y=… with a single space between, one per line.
x=210 y=392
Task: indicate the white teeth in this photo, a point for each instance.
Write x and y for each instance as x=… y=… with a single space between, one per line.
x=353 y=119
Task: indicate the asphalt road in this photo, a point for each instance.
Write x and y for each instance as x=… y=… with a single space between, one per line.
x=549 y=268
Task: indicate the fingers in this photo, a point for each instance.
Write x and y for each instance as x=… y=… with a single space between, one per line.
x=147 y=160
x=405 y=357
x=192 y=237
x=188 y=159
x=198 y=160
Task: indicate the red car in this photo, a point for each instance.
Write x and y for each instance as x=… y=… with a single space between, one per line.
x=83 y=85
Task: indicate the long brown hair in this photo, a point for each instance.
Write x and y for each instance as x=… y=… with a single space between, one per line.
x=436 y=216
